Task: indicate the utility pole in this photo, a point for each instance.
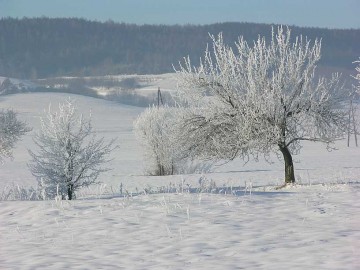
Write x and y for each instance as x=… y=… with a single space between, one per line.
x=159 y=98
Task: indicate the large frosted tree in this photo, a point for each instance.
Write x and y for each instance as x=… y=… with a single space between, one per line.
x=252 y=99
x=69 y=155
x=11 y=130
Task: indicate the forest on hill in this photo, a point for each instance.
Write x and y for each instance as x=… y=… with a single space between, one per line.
x=33 y=48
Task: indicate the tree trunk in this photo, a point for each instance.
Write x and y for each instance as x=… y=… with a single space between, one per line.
x=70 y=191
x=289 y=165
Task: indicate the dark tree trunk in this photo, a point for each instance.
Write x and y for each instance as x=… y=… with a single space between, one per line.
x=70 y=191
x=289 y=165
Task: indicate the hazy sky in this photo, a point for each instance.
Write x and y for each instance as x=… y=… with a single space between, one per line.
x=317 y=13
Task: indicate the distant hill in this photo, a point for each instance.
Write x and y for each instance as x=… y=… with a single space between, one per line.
x=44 y=47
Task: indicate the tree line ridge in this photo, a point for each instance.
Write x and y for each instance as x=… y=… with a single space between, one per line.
x=33 y=48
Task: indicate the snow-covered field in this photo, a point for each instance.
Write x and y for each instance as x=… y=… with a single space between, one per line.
x=249 y=226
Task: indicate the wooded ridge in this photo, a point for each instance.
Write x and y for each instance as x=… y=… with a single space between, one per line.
x=42 y=47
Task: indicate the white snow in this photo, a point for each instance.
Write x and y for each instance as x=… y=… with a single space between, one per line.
x=313 y=225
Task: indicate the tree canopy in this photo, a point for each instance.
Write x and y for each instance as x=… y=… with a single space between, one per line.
x=11 y=130
x=259 y=98
x=69 y=155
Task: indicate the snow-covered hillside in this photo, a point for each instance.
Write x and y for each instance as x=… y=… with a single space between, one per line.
x=25 y=84
x=106 y=85
x=12 y=86
x=252 y=226
x=112 y=120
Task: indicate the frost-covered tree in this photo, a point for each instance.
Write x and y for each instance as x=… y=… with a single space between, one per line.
x=259 y=98
x=11 y=130
x=157 y=131
x=154 y=128
x=69 y=155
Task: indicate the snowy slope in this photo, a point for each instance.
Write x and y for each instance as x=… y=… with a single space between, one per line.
x=21 y=84
x=111 y=120
x=254 y=227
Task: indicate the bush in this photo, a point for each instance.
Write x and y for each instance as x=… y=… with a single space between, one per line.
x=157 y=130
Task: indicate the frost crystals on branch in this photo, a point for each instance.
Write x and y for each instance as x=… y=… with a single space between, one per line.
x=357 y=76
x=69 y=156
x=247 y=100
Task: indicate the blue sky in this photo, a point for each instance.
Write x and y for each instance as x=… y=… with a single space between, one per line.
x=314 y=13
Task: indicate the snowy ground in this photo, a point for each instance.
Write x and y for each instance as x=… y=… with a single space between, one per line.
x=300 y=228
x=253 y=226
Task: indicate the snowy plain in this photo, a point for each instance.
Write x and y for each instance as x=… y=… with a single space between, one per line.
x=120 y=224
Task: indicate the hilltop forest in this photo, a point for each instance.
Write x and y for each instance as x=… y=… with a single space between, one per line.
x=43 y=47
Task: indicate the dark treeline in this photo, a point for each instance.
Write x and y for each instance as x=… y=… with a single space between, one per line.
x=44 y=47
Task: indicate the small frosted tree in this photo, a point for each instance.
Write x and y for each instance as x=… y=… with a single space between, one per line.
x=154 y=128
x=247 y=100
x=157 y=131
x=11 y=130
x=69 y=156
